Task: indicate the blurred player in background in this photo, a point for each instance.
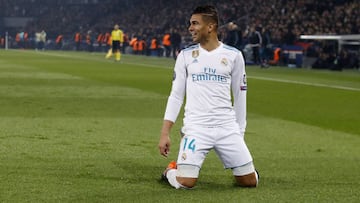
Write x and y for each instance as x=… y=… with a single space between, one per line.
x=117 y=39
x=207 y=72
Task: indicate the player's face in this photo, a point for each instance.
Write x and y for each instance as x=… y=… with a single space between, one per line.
x=198 y=28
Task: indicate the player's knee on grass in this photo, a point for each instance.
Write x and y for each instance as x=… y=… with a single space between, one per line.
x=248 y=180
x=245 y=175
x=187 y=175
x=187 y=182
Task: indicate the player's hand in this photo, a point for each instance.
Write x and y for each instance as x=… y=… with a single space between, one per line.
x=164 y=144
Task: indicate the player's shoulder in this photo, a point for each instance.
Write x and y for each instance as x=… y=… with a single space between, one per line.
x=191 y=48
x=190 y=51
x=230 y=49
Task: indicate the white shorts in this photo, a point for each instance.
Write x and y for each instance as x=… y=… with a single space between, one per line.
x=227 y=141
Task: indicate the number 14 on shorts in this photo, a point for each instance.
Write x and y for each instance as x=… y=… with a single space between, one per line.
x=189 y=144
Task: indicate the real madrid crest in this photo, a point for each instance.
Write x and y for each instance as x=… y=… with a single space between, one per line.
x=195 y=53
x=224 y=62
x=183 y=156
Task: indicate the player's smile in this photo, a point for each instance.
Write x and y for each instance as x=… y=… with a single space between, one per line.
x=193 y=35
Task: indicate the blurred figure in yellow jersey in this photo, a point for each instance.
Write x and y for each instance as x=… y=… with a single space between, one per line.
x=117 y=38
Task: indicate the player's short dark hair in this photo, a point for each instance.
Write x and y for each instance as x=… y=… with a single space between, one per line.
x=208 y=12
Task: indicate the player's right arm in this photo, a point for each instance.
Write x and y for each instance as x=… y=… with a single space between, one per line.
x=164 y=143
x=174 y=103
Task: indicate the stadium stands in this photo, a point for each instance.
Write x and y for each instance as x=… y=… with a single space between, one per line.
x=281 y=22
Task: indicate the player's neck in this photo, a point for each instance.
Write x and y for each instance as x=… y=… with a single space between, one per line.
x=210 y=44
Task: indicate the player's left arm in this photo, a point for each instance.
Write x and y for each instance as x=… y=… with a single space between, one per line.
x=239 y=89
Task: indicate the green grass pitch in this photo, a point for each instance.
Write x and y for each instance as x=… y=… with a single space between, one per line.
x=75 y=127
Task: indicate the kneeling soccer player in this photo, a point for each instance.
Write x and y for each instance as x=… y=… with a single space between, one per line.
x=208 y=72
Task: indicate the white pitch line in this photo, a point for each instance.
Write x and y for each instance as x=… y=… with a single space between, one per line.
x=305 y=83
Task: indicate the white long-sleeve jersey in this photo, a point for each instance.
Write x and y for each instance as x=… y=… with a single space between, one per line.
x=208 y=79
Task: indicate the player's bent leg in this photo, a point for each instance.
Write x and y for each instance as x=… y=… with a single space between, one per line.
x=246 y=175
x=179 y=182
x=187 y=182
x=184 y=176
x=187 y=175
x=248 y=180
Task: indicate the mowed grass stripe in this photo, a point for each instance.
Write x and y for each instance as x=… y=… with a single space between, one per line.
x=32 y=74
x=79 y=100
x=35 y=93
x=84 y=91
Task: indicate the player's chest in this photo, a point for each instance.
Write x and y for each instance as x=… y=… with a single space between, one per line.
x=218 y=65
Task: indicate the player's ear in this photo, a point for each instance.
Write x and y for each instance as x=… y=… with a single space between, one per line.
x=211 y=27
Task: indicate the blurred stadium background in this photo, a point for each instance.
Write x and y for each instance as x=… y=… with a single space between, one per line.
x=295 y=33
